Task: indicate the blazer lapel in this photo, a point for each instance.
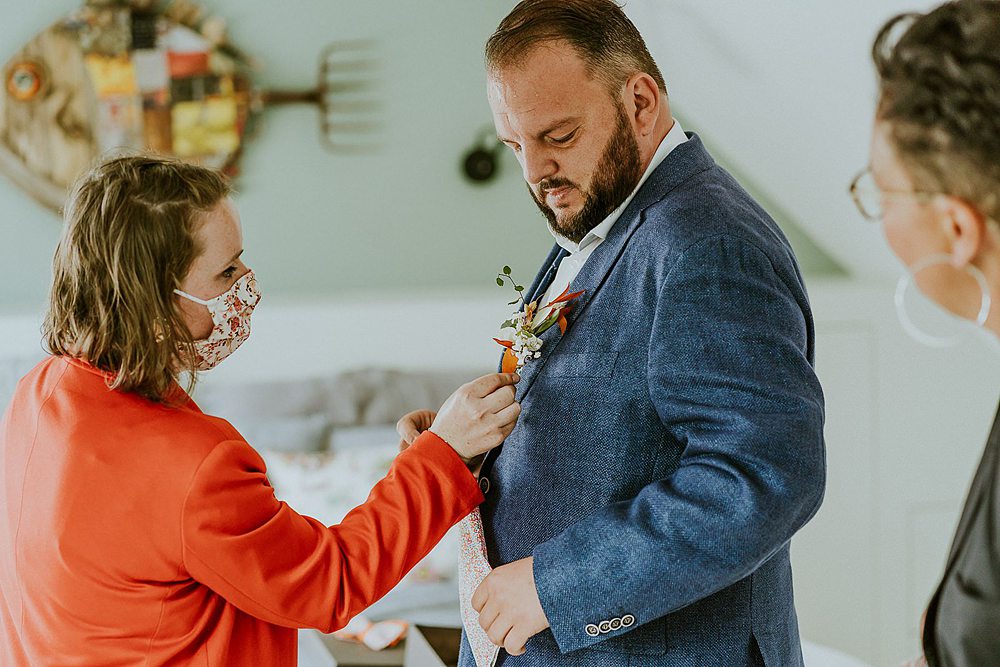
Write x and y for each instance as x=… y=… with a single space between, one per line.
x=977 y=493
x=683 y=162
x=545 y=277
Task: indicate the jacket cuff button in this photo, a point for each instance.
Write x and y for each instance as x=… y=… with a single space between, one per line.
x=593 y=630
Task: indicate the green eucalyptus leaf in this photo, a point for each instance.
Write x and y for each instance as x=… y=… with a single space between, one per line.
x=549 y=321
x=506 y=270
x=500 y=282
x=545 y=326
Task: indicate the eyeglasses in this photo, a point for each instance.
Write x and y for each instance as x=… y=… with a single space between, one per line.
x=869 y=197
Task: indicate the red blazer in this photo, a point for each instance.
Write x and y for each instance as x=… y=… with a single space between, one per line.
x=136 y=534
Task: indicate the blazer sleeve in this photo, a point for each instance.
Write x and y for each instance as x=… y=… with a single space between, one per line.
x=731 y=379
x=292 y=570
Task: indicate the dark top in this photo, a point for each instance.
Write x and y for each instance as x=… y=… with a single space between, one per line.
x=963 y=619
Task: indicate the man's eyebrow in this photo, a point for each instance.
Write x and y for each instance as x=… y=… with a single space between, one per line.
x=552 y=128
x=555 y=126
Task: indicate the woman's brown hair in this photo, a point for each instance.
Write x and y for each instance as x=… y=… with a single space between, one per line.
x=939 y=93
x=129 y=238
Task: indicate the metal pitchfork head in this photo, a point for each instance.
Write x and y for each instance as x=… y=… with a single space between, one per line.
x=349 y=107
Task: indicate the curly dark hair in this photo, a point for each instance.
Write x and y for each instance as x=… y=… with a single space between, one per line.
x=599 y=30
x=939 y=92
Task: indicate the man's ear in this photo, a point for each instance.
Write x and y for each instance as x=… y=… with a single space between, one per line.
x=965 y=229
x=642 y=99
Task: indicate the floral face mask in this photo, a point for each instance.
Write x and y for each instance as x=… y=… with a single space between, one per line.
x=231 y=312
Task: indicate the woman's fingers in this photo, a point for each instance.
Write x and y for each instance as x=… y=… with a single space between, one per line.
x=413 y=424
x=486 y=385
x=500 y=399
x=508 y=417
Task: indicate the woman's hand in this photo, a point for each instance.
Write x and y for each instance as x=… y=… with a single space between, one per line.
x=412 y=425
x=477 y=417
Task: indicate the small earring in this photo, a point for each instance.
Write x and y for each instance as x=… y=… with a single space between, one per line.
x=159 y=336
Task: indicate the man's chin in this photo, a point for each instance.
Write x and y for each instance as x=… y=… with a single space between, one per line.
x=564 y=217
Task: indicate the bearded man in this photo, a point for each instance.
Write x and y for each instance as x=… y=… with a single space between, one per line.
x=671 y=440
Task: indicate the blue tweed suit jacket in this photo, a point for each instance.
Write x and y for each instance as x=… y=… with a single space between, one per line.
x=671 y=442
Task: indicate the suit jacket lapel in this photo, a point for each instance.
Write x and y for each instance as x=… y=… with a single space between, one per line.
x=545 y=277
x=977 y=493
x=683 y=162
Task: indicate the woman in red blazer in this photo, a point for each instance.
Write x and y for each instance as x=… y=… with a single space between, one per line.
x=137 y=530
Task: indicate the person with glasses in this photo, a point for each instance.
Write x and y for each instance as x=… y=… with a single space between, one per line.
x=934 y=185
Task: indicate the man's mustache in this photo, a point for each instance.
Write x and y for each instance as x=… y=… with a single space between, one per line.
x=553 y=184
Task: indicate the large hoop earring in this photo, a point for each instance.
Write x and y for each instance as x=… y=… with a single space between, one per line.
x=986 y=301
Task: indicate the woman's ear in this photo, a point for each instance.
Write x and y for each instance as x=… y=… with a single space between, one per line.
x=642 y=97
x=965 y=229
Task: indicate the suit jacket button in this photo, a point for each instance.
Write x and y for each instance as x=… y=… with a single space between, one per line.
x=605 y=626
x=484 y=485
x=616 y=624
x=628 y=620
x=593 y=630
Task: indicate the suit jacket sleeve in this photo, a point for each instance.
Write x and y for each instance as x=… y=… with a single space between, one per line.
x=731 y=378
x=292 y=570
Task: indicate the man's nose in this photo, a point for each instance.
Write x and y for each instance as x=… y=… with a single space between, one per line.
x=537 y=166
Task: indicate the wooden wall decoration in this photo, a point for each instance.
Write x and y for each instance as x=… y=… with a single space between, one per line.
x=154 y=75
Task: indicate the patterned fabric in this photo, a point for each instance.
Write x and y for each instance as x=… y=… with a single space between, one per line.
x=231 y=315
x=473 y=568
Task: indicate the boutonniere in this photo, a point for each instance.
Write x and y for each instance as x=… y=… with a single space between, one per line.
x=522 y=333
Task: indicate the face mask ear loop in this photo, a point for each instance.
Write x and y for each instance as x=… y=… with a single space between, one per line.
x=986 y=301
x=191 y=298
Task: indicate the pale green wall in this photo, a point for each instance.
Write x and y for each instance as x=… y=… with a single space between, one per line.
x=317 y=223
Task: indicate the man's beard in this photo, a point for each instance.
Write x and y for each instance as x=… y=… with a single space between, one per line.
x=614 y=179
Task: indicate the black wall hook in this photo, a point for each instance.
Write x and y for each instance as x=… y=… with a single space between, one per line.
x=481 y=164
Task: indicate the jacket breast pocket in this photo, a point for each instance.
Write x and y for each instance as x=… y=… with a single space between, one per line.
x=581 y=364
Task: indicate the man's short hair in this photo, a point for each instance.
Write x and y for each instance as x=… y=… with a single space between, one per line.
x=599 y=30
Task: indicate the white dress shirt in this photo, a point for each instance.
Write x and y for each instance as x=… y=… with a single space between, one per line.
x=570 y=265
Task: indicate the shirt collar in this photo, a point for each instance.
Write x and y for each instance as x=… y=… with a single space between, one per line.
x=674 y=138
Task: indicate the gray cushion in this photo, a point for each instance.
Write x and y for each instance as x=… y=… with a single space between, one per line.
x=386 y=395
x=308 y=433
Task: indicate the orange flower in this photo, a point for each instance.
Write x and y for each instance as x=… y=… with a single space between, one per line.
x=565 y=297
x=509 y=363
x=529 y=312
x=562 y=319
